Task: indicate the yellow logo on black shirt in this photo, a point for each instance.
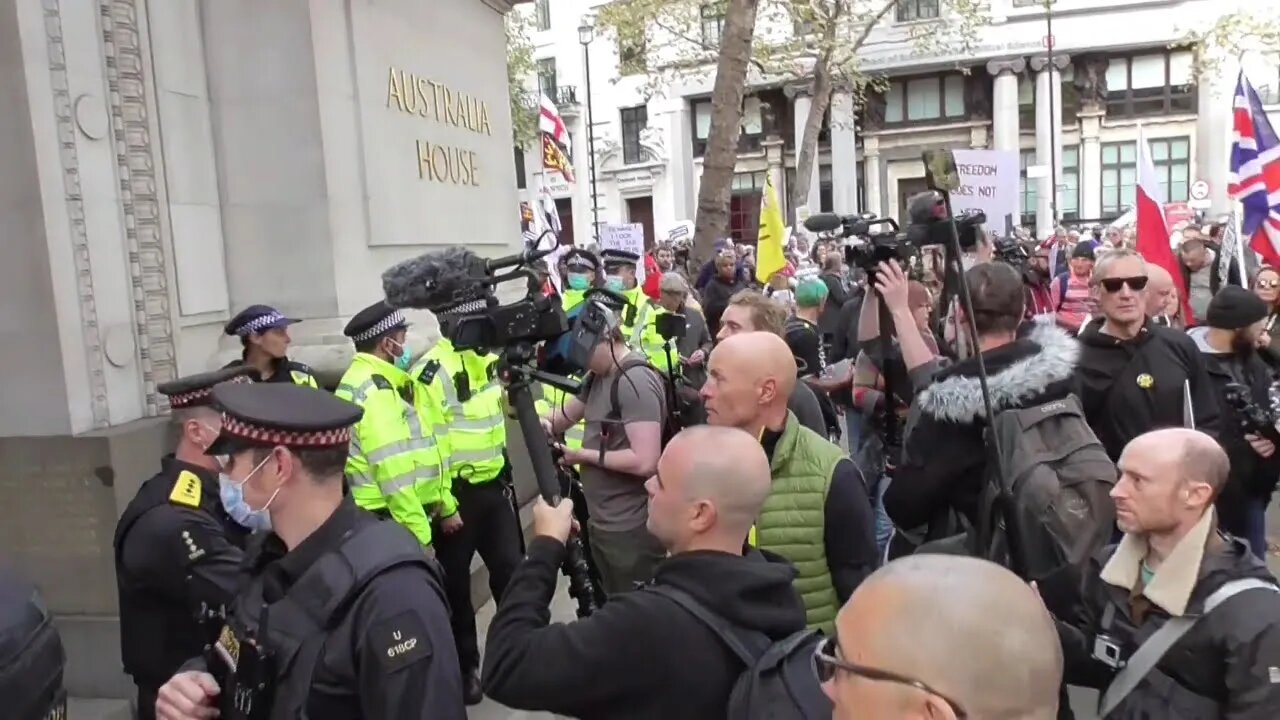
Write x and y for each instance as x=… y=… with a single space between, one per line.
x=1145 y=381
x=186 y=490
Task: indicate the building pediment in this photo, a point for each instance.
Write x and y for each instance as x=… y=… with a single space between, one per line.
x=653 y=154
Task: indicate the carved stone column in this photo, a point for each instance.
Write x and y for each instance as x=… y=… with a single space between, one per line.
x=1004 y=102
x=1048 y=136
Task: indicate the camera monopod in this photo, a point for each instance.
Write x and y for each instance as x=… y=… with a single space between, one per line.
x=943 y=177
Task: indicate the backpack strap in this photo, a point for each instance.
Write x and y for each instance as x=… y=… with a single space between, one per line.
x=615 y=405
x=1155 y=647
x=327 y=591
x=748 y=645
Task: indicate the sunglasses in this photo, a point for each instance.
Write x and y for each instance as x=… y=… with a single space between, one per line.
x=1113 y=285
x=826 y=664
x=1269 y=284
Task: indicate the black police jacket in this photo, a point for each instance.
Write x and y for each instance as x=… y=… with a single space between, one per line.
x=352 y=623
x=1224 y=667
x=286 y=370
x=178 y=559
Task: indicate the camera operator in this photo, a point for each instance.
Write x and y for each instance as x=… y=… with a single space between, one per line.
x=1233 y=321
x=944 y=459
x=619 y=451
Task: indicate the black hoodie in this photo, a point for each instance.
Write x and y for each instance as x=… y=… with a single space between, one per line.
x=641 y=655
x=1129 y=387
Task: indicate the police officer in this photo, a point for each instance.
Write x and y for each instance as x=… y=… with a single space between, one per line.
x=263 y=334
x=581 y=268
x=177 y=550
x=465 y=386
x=638 y=326
x=396 y=466
x=342 y=615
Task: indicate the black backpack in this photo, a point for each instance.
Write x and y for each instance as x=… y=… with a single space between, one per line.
x=31 y=655
x=674 y=418
x=778 y=682
x=1051 y=510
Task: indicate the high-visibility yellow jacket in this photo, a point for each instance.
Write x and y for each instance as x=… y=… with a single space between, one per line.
x=464 y=386
x=396 y=462
x=642 y=332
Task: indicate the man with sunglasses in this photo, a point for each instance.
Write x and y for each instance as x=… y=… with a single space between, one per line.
x=900 y=652
x=1135 y=373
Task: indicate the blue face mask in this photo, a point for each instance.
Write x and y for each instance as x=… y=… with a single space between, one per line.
x=404 y=359
x=614 y=283
x=232 y=495
x=578 y=281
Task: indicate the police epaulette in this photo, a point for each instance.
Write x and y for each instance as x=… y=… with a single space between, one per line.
x=428 y=374
x=301 y=367
x=381 y=383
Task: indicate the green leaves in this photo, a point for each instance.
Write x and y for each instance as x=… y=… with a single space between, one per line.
x=520 y=67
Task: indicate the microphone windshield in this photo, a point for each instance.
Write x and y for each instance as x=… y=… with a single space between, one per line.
x=823 y=222
x=450 y=280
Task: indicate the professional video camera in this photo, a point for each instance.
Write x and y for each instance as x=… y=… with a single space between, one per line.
x=1011 y=252
x=1254 y=418
x=459 y=288
x=872 y=244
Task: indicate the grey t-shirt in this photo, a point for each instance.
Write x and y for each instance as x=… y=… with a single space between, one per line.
x=1200 y=294
x=618 y=501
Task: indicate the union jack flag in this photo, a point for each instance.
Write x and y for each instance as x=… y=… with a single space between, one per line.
x=1255 y=173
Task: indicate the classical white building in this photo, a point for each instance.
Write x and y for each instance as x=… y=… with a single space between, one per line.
x=1112 y=70
x=164 y=164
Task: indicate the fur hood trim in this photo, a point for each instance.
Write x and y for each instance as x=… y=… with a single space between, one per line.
x=958 y=398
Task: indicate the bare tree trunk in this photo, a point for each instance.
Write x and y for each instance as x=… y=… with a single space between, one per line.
x=808 y=151
x=712 y=220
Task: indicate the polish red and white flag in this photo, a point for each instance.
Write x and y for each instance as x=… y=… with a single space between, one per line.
x=1152 y=229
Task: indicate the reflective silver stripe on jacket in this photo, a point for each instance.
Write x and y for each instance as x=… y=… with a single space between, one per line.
x=460 y=421
x=642 y=318
x=357 y=393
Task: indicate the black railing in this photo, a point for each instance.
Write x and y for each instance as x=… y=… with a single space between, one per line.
x=566 y=95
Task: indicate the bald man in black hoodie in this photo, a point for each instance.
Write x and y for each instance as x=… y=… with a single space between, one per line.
x=642 y=655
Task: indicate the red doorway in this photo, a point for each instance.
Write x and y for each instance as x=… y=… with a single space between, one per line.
x=640 y=210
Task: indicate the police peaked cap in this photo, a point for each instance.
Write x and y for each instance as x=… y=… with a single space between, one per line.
x=618 y=257
x=374 y=321
x=580 y=259
x=272 y=414
x=197 y=390
x=255 y=319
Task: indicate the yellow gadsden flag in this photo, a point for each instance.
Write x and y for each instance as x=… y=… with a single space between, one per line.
x=769 y=256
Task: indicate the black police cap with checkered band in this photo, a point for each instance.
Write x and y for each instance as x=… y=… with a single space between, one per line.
x=197 y=390
x=376 y=320
x=295 y=416
x=256 y=319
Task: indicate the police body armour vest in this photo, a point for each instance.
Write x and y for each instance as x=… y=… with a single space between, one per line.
x=300 y=622
x=793 y=520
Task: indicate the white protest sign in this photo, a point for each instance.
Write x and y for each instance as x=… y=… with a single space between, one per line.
x=628 y=237
x=988 y=182
x=682 y=230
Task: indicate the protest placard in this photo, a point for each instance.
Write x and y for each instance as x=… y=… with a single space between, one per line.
x=988 y=182
x=628 y=237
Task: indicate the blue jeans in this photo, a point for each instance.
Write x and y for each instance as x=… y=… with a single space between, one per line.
x=1256 y=526
x=853 y=429
x=884 y=526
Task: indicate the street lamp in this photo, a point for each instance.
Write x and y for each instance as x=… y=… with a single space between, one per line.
x=587 y=33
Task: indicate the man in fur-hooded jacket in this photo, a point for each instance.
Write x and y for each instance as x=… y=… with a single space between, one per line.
x=944 y=457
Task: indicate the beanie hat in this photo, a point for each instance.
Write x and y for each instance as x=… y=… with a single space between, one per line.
x=1234 y=308
x=810 y=292
x=1082 y=250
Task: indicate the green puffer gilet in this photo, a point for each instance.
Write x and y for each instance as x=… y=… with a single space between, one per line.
x=792 y=522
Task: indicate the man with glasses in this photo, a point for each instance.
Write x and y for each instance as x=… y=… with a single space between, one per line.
x=919 y=639
x=1135 y=373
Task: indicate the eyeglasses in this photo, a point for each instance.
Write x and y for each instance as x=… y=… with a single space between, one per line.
x=826 y=664
x=1113 y=285
x=1269 y=284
